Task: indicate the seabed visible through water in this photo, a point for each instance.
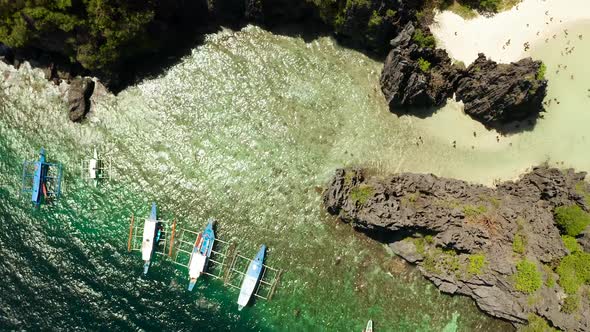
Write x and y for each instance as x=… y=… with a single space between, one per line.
x=248 y=129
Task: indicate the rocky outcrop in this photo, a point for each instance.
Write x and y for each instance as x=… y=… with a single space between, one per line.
x=78 y=98
x=420 y=76
x=54 y=67
x=501 y=93
x=584 y=240
x=6 y=54
x=446 y=226
x=406 y=84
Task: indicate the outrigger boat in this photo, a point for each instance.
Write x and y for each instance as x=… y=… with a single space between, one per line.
x=205 y=255
x=369 y=326
x=46 y=179
x=151 y=239
x=152 y=232
x=201 y=253
x=252 y=278
x=96 y=168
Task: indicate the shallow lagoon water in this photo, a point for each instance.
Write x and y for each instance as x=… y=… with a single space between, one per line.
x=247 y=129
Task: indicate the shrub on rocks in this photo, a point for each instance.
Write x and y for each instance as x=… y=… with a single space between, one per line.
x=574 y=271
x=571 y=219
x=528 y=277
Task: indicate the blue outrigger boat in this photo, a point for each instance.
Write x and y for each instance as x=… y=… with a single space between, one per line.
x=201 y=253
x=251 y=278
x=41 y=178
x=152 y=232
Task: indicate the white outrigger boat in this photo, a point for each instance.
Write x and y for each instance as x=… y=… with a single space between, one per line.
x=151 y=239
x=369 y=326
x=252 y=278
x=201 y=253
x=152 y=232
x=205 y=255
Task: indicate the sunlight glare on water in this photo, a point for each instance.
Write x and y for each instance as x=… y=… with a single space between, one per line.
x=248 y=129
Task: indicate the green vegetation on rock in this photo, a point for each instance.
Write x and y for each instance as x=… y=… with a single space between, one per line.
x=571 y=304
x=390 y=13
x=574 y=271
x=541 y=72
x=582 y=191
x=527 y=277
x=424 y=40
x=375 y=20
x=489 y=5
x=472 y=211
x=105 y=35
x=364 y=22
x=450 y=261
x=95 y=33
x=439 y=260
x=476 y=263
x=468 y=8
x=570 y=243
x=536 y=324
x=348 y=175
x=519 y=243
x=571 y=219
x=423 y=64
x=362 y=193
x=549 y=280
x=430 y=264
x=419 y=242
x=462 y=10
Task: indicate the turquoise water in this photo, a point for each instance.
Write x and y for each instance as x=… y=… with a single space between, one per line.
x=247 y=129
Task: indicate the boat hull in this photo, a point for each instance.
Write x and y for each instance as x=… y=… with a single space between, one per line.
x=252 y=278
x=201 y=253
x=150 y=227
x=191 y=284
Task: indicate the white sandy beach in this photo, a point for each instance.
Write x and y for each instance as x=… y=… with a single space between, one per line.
x=531 y=20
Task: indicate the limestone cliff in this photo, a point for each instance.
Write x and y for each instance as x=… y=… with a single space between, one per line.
x=474 y=240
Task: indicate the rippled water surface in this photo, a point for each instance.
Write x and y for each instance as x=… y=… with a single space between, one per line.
x=247 y=129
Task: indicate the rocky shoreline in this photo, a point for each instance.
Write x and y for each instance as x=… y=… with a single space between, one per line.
x=415 y=73
x=500 y=246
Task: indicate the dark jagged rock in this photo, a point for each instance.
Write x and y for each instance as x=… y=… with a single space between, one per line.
x=501 y=93
x=6 y=54
x=405 y=84
x=494 y=94
x=441 y=224
x=79 y=93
